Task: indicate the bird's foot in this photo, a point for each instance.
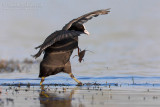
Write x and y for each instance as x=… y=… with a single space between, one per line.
x=80 y=84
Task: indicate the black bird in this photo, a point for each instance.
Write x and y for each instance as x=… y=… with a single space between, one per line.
x=59 y=46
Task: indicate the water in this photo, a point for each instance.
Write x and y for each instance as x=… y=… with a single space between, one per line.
x=125 y=44
x=77 y=96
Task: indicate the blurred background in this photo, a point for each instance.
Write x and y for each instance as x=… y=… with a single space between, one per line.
x=126 y=41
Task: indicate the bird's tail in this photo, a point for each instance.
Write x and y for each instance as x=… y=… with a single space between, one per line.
x=36 y=55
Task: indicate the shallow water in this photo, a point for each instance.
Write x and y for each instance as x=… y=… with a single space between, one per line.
x=125 y=45
x=78 y=97
x=19 y=88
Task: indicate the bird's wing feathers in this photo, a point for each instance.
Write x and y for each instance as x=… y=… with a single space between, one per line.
x=83 y=19
x=64 y=34
x=54 y=37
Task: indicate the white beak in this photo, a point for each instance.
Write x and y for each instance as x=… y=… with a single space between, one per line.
x=86 y=32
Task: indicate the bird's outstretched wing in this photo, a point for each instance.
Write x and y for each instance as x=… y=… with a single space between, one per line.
x=65 y=33
x=54 y=37
x=83 y=19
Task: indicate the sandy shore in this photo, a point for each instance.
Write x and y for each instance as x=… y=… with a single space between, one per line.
x=72 y=96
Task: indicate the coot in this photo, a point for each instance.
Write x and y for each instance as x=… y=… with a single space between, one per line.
x=58 y=46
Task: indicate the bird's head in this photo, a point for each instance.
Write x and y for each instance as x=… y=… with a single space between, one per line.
x=80 y=28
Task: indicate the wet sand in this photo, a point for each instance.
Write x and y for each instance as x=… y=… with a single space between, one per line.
x=84 y=96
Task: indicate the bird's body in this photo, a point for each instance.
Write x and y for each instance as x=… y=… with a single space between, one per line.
x=58 y=46
x=57 y=57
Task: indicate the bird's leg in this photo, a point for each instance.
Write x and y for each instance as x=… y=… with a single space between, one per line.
x=72 y=76
x=79 y=51
x=43 y=91
x=42 y=79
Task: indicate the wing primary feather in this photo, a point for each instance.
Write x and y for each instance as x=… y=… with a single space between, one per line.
x=91 y=14
x=38 y=47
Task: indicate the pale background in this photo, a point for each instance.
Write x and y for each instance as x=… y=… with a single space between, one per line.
x=125 y=41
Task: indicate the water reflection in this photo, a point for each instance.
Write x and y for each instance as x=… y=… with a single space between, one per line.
x=57 y=98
